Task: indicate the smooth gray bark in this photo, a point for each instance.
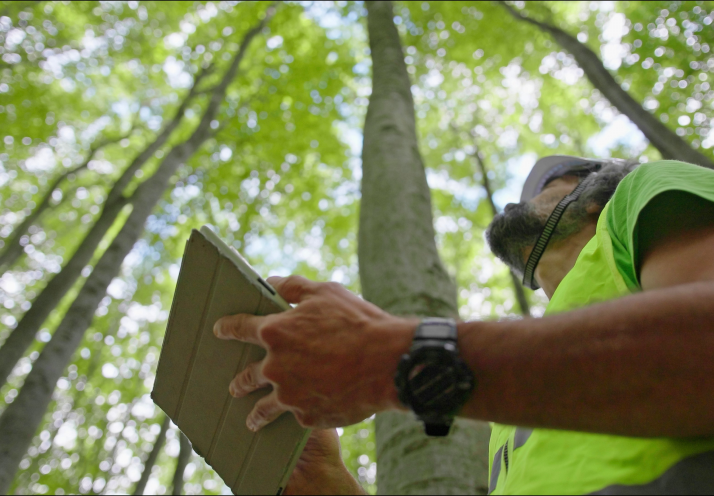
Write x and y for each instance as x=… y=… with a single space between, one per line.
x=517 y=285
x=662 y=138
x=401 y=272
x=23 y=335
x=22 y=417
x=181 y=462
x=13 y=249
x=153 y=456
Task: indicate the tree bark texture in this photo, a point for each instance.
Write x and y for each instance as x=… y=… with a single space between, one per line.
x=22 y=417
x=153 y=456
x=401 y=272
x=662 y=138
x=517 y=285
x=181 y=462
x=23 y=335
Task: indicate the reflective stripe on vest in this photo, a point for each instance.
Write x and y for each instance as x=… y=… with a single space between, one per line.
x=495 y=470
x=693 y=475
x=521 y=437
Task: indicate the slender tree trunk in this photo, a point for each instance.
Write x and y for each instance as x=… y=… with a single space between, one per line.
x=23 y=335
x=400 y=271
x=153 y=456
x=517 y=285
x=21 y=418
x=667 y=142
x=181 y=462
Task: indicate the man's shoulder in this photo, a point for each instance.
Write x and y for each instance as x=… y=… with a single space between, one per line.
x=652 y=178
x=661 y=172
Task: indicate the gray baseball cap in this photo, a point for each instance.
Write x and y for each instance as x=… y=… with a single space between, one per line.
x=554 y=166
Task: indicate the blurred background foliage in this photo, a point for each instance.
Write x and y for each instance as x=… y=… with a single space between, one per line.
x=280 y=178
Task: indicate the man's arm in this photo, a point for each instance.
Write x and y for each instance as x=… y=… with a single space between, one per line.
x=642 y=365
x=638 y=366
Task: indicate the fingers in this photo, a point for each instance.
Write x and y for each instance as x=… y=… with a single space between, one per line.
x=294 y=289
x=265 y=411
x=247 y=381
x=241 y=327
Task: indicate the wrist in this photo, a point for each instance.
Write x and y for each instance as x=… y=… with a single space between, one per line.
x=392 y=338
x=348 y=484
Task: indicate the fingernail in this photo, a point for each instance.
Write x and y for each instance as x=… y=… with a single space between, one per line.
x=232 y=390
x=251 y=425
x=217 y=328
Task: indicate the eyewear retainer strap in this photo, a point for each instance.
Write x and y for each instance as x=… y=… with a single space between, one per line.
x=546 y=234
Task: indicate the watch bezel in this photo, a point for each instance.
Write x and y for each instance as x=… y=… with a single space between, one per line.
x=438 y=355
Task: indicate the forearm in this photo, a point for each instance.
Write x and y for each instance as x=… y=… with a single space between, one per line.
x=642 y=365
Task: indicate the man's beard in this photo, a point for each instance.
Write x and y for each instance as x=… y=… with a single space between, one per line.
x=518 y=227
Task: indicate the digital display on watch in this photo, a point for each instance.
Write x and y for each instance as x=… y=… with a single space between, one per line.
x=439 y=332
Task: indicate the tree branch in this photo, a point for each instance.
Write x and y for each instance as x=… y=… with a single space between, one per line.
x=181 y=462
x=120 y=185
x=153 y=456
x=13 y=249
x=486 y=181
x=662 y=138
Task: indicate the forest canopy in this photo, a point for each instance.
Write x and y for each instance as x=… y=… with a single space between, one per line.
x=124 y=125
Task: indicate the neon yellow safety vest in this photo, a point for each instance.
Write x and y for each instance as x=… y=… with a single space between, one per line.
x=544 y=461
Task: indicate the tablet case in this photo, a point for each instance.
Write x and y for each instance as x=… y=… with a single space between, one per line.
x=195 y=369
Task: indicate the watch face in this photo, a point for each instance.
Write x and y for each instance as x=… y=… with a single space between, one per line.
x=436 y=382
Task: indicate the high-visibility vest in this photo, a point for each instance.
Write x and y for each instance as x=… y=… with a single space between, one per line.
x=544 y=461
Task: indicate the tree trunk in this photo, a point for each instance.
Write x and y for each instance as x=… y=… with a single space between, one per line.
x=23 y=335
x=153 y=456
x=517 y=285
x=181 y=462
x=401 y=272
x=662 y=138
x=21 y=418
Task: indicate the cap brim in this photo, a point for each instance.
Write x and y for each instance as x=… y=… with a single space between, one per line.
x=547 y=168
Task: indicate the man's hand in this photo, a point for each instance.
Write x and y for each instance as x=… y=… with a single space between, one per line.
x=331 y=360
x=320 y=469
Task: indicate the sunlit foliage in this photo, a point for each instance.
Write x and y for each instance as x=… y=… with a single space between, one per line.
x=280 y=179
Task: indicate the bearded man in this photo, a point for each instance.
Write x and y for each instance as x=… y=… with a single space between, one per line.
x=611 y=392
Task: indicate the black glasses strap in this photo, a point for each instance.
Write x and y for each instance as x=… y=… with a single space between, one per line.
x=546 y=234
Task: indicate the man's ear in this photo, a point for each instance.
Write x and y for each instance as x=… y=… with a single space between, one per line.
x=594 y=210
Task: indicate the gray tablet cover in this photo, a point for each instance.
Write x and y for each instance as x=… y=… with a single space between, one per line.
x=195 y=369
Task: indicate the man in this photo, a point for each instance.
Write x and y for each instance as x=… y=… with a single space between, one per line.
x=612 y=390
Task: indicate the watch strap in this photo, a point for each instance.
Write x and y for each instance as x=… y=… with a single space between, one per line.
x=440 y=429
x=436 y=329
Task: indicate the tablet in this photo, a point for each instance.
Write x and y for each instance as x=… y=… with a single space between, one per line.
x=195 y=369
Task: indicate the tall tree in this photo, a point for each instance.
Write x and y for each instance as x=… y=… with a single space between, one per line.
x=23 y=335
x=662 y=138
x=20 y=420
x=401 y=272
x=153 y=456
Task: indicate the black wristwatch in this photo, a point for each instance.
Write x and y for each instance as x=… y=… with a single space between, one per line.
x=431 y=379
